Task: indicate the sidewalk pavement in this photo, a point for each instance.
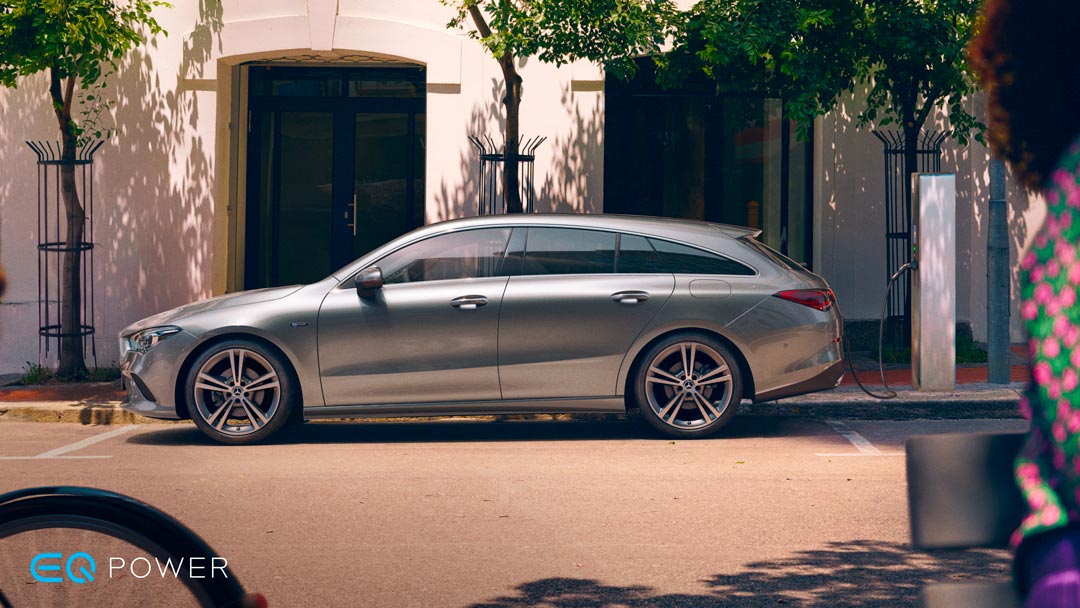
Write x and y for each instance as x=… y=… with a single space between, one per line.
x=973 y=397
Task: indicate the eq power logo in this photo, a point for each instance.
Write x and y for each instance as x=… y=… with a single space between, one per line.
x=80 y=567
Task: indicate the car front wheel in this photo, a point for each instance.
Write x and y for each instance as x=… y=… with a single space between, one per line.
x=688 y=386
x=238 y=392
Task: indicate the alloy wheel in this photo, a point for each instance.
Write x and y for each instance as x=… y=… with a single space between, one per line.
x=237 y=392
x=688 y=385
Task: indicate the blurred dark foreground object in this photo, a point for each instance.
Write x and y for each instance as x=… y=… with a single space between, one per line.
x=131 y=521
x=961 y=495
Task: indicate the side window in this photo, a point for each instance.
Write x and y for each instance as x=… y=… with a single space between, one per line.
x=637 y=256
x=681 y=259
x=459 y=255
x=569 y=251
x=515 y=253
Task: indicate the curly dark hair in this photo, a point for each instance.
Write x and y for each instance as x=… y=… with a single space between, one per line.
x=1027 y=57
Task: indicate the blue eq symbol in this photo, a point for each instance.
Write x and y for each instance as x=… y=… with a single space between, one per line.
x=85 y=572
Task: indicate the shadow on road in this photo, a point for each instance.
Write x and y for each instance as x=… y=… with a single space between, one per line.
x=864 y=574
x=467 y=430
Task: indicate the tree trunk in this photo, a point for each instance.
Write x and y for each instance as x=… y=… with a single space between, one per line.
x=72 y=364
x=512 y=103
x=911 y=157
x=71 y=343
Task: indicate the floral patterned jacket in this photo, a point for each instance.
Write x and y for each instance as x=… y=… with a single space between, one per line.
x=1048 y=467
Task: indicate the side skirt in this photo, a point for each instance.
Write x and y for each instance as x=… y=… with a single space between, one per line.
x=591 y=405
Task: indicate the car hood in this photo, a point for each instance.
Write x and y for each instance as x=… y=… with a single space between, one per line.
x=175 y=315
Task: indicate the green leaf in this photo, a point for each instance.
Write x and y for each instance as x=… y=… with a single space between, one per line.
x=70 y=39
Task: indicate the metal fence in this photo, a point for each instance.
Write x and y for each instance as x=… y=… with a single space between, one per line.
x=52 y=246
x=898 y=223
x=491 y=200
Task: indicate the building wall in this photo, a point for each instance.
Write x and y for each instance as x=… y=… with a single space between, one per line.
x=850 y=216
x=169 y=191
x=168 y=186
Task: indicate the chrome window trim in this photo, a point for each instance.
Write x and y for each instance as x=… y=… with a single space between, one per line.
x=347 y=282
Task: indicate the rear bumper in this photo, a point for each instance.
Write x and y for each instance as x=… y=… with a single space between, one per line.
x=824 y=380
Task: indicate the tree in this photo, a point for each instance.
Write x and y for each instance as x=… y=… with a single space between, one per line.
x=611 y=32
x=72 y=41
x=806 y=52
x=914 y=58
x=910 y=52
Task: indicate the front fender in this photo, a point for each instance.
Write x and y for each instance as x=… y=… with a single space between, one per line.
x=297 y=341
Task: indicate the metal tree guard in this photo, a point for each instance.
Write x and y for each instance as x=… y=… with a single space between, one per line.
x=52 y=246
x=898 y=222
x=491 y=200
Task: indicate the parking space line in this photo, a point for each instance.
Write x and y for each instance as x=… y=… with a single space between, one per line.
x=52 y=457
x=858 y=455
x=865 y=447
x=60 y=452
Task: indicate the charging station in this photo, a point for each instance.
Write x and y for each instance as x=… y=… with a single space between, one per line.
x=933 y=285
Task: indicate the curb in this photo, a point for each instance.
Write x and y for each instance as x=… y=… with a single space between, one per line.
x=953 y=409
x=839 y=403
x=972 y=401
x=73 y=412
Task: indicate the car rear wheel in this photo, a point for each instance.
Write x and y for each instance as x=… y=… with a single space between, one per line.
x=688 y=385
x=239 y=392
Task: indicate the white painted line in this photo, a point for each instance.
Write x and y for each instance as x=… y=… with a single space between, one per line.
x=85 y=443
x=861 y=455
x=857 y=440
x=51 y=457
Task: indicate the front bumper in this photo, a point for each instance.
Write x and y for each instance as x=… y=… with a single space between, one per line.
x=139 y=403
x=151 y=377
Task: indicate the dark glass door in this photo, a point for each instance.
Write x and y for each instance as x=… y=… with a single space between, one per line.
x=382 y=171
x=691 y=153
x=335 y=168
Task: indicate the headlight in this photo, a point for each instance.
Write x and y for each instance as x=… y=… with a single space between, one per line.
x=146 y=339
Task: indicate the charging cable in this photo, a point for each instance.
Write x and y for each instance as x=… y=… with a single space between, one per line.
x=889 y=392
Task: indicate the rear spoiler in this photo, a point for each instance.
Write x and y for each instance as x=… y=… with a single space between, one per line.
x=737 y=232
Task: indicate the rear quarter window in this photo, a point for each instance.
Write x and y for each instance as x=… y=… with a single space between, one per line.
x=683 y=259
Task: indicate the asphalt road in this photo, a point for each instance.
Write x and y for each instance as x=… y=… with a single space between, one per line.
x=774 y=512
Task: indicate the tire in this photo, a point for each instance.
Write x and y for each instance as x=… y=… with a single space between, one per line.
x=688 y=409
x=259 y=405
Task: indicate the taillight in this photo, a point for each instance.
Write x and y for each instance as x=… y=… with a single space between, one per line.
x=818 y=299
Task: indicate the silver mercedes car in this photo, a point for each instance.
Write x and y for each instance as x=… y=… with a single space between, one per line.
x=502 y=314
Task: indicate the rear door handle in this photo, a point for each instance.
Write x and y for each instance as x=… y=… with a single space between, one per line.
x=468 y=302
x=630 y=297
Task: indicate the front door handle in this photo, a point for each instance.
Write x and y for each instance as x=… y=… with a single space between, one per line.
x=468 y=302
x=630 y=297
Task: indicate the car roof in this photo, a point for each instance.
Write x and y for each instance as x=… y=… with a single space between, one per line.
x=694 y=232
x=680 y=229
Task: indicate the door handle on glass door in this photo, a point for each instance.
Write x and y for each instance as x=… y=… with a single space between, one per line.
x=630 y=297
x=468 y=302
x=353 y=224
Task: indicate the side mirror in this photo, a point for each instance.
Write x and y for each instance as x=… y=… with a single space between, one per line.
x=368 y=281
